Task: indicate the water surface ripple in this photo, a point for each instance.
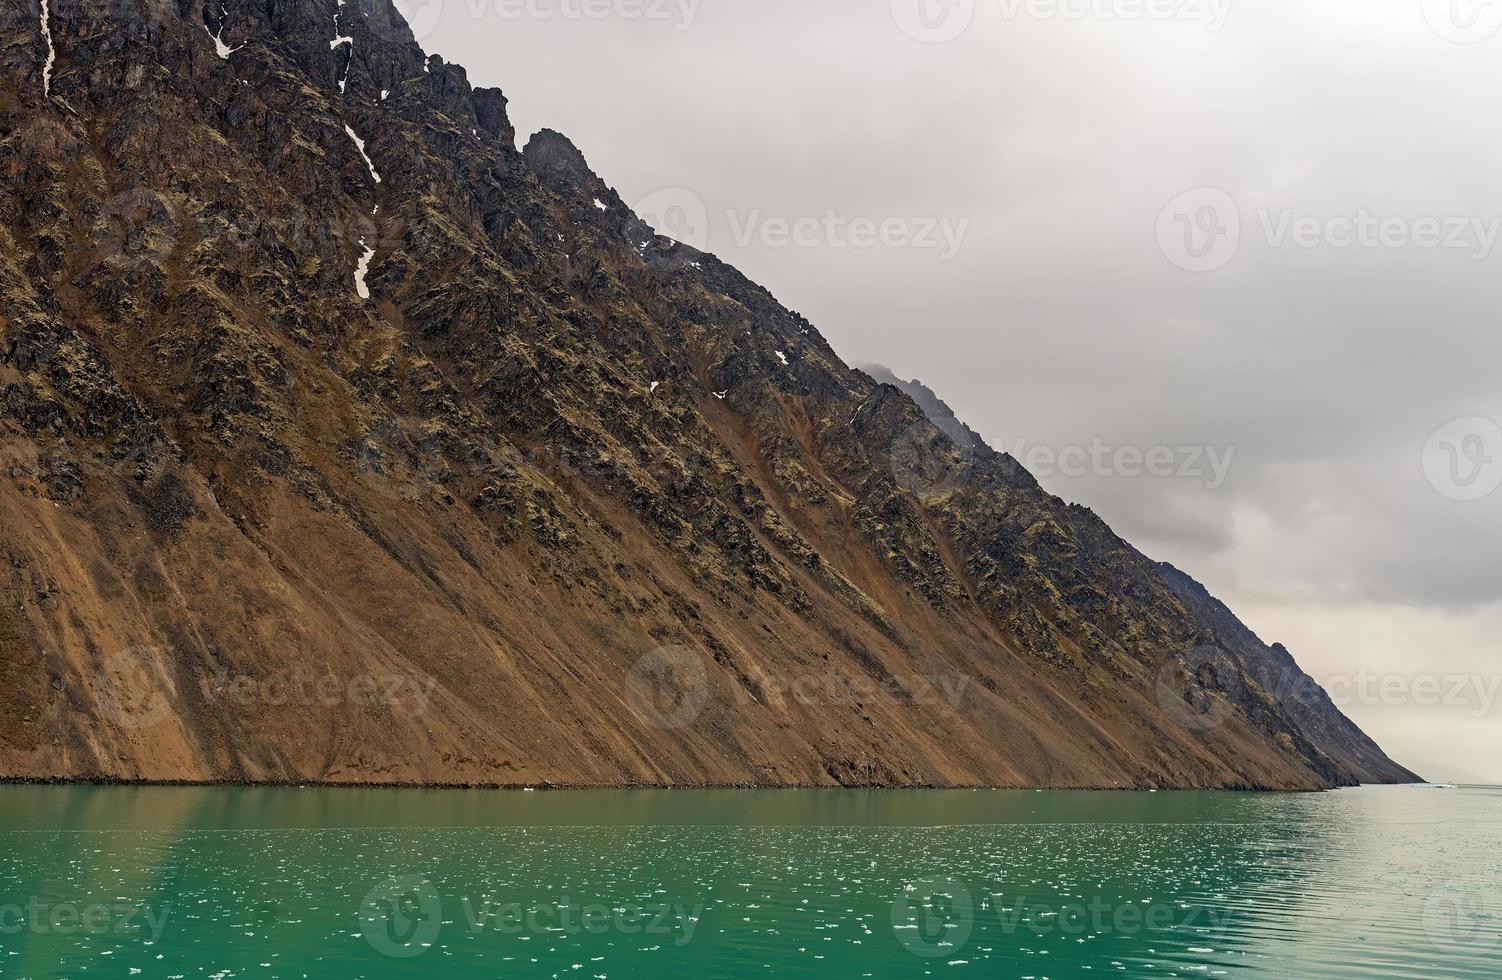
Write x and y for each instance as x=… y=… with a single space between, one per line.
x=217 y=883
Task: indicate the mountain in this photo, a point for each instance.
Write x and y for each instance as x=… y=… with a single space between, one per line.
x=344 y=441
x=934 y=408
x=1261 y=680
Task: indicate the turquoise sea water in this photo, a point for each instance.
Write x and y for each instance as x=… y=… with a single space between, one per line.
x=198 y=883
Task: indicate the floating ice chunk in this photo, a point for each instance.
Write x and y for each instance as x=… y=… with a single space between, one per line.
x=51 y=51
x=601 y=205
x=360 y=145
x=362 y=290
x=782 y=357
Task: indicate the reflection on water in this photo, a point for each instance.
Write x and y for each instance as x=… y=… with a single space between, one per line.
x=190 y=882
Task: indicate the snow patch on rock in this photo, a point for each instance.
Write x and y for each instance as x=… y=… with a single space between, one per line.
x=362 y=269
x=220 y=48
x=360 y=145
x=51 y=51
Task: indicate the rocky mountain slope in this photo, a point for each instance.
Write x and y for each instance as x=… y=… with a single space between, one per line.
x=343 y=441
x=1249 y=674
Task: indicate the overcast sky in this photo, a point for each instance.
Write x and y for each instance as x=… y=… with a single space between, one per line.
x=1270 y=230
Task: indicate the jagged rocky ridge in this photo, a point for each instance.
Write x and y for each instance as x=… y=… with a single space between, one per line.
x=309 y=375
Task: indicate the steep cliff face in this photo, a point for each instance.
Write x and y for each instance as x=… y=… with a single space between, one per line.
x=1229 y=667
x=343 y=441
